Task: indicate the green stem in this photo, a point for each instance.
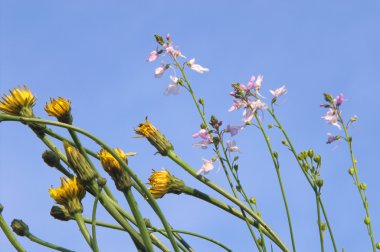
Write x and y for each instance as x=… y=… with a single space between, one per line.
x=357 y=181
x=293 y=150
x=197 y=235
x=273 y=236
x=277 y=168
x=229 y=209
x=8 y=233
x=47 y=244
x=139 y=220
x=319 y=223
x=82 y=227
x=93 y=222
x=151 y=200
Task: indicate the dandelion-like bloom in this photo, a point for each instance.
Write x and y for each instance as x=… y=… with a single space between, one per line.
x=19 y=102
x=69 y=195
x=61 y=109
x=156 y=138
x=113 y=168
x=162 y=182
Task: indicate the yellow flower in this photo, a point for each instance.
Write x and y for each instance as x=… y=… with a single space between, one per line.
x=163 y=182
x=155 y=137
x=112 y=167
x=19 y=102
x=60 y=108
x=69 y=195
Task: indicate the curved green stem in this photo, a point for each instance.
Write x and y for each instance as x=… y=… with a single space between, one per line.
x=277 y=168
x=357 y=181
x=293 y=150
x=231 y=210
x=8 y=233
x=47 y=244
x=151 y=200
x=139 y=219
x=82 y=227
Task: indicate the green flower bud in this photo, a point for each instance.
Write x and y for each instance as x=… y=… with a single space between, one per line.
x=310 y=153
x=60 y=213
x=363 y=186
x=201 y=101
x=147 y=222
x=252 y=200
x=270 y=126
x=323 y=226
x=378 y=245
x=275 y=154
x=351 y=171
x=1 y=208
x=258 y=214
x=305 y=166
x=317 y=159
x=19 y=227
x=260 y=241
x=284 y=142
x=50 y=158
x=159 y=39
x=367 y=220
x=102 y=181
x=328 y=98
x=203 y=126
x=319 y=182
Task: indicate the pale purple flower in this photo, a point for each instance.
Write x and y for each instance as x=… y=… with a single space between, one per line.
x=152 y=56
x=173 y=87
x=331 y=138
x=251 y=84
x=196 y=67
x=231 y=146
x=169 y=49
x=258 y=82
x=206 y=138
x=279 y=91
x=339 y=99
x=331 y=117
x=233 y=130
x=207 y=166
x=236 y=105
x=253 y=107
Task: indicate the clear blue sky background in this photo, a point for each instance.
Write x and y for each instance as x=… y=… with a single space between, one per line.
x=93 y=52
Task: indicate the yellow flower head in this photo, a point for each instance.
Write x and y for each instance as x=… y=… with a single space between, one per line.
x=19 y=102
x=155 y=137
x=69 y=195
x=60 y=108
x=163 y=182
x=112 y=167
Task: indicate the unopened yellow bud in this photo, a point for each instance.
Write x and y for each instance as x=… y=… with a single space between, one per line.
x=363 y=186
x=310 y=153
x=351 y=171
x=319 y=182
x=60 y=213
x=367 y=220
x=61 y=109
x=378 y=245
x=253 y=200
x=162 y=182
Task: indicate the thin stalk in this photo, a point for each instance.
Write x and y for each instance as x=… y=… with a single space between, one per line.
x=151 y=200
x=82 y=227
x=47 y=244
x=199 y=236
x=93 y=222
x=357 y=181
x=319 y=223
x=269 y=232
x=277 y=168
x=8 y=233
x=139 y=220
x=229 y=209
x=293 y=150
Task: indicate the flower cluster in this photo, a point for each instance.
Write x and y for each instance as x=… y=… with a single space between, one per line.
x=166 y=47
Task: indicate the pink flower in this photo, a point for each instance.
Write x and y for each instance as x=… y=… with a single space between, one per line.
x=159 y=71
x=236 y=105
x=196 y=67
x=231 y=146
x=169 y=49
x=339 y=100
x=207 y=166
x=279 y=91
x=206 y=138
x=233 y=130
x=331 y=117
x=259 y=81
x=152 y=56
x=253 y=107
x=173 y=87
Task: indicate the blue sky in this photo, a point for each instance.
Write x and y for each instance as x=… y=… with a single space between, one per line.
x=93 y=52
